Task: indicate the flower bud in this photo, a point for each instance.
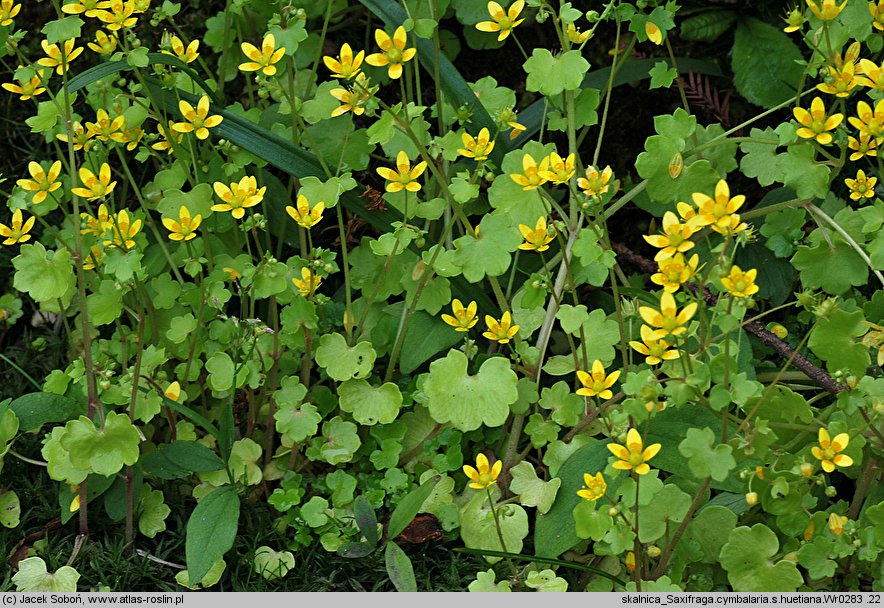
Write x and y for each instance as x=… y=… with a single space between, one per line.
x=752 y=498
x=654 y=551
x=831 y=491
x=806 y=469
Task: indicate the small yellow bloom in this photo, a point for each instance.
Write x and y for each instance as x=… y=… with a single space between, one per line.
x=197 y=120
x=534 y=175
x=867 y=121
x=829 y=450
x=104 y=44
x=173 y=391
x=655 y=350
x=594 y=487
x=346 y=65
x=675 y=271
x=808 y=531
x=575 y=36
x=675 y=238
x=483 y=475
x=232 y=273
x=123 y=231
x=721 y=211
x=500 y=331
x=303 y=214
x=130 y=137
x=861 y=187
x=877 y=11
x=167 y=135
x=29 y=89
x=864 y=146
x=120 y=15
x=630 y=562
x=837 y=523
x=874 y=339
x=794 y=20
x=870 y=74
x=828 y=11
x=98 y=225
x=355 y=97
x=596 y=383
x=537 y=239
x=815 y=124
x=594 y=183
x=477 y=148
x=90 y=8
x=42 y=182
x=464 y=318
x=759 y=472
x=561 y=170
x=238 y=196
x=58 y=58
x=393 y=52
x=81 y=136
x=94 y=259
x=185 y=228
x=633 y=456
x=18 y=231
x=104 y=128
x=503 y=20
x=404 y=177
x=839 y=82
x=309 y=282
x=653 y=32
x=8 y=11
x=263 y=59
x=187 y=54
x=75 y=501
x=667 y=321
x=740 y=284
x=95 y=186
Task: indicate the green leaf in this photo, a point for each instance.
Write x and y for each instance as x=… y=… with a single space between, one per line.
x=366 y=519
x=105 y=304
x=802 y=173
x=370 y=404
x=33 y=577
x=553 y=75
x=314 y=512
x=815 y=264
x=62 y=29
x=297 y=422
x=479 y=531
x=707 y=26
x=572 y=317
x=180 y=459
x=425 y=337
x=36 y=409
x=766 y=63
x=601 y=335
x=210 y=531
x=747 y=559
x=409 y=507
x=834 y=340
x=342 y=362
x=211 y=577
x=10 y=509
x=399 y=569
x=816 y=557
x=152 y=512
x=670 y=505
x=590 y=522
x=484 y=583
x=221 y=370
x=489 y=254
x=567 y=407
x=705 y=458
x=102 y=451
x=44 y=275
x=533 y=491
x=546 y=581
x=468 y=401
x=662 y=76
x=273 y=564
x=760 y=159
x=338 y=443
x=710 y=530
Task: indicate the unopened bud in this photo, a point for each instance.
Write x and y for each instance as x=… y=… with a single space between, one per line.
x=752 y=498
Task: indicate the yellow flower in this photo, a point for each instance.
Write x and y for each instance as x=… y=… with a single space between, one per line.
x=870 y=75
x=464 y=318
x=561 y=170
x=94 y=259
x=41 y=182
x=130 y=137
x=877 y=11
x=864 y=146
x=630 y=562
x=575 y=35
x=594 y=183
x=477 y=148
x=393 y=52
x=794 y=20
x=91 y=8
x=75 y=501
x=97 y=225
x=355 y=97
x=534 y=175
x=874 y=339
x=95 y=186
x=594 y=487
x=123 y=231
x=18 y=231
x=652 y=31
x=303 y=214
x=197 y=120
x=483 y=475
x=828 y=11
x=675 y=271
x=501 y=331
x=8 y=11
x=862 y=186
x=740 y=284
x=596 y=382
x=166 y=137
x=346 y=65
x=504 y=20
x=667 y=320
x=58 y=58
x=836 y=523
x=721 y=211
x=104 y=44
x=119 y=16
x=184 y=229
x=238 y=196
x=404 y=177
x=26 y=90
x=839 y=82
x=869 y=122
x=655 y=350
x=186 y=54
x=232 y=273
x=82 y=137
x=173 y=391
x=537 y=239
x=829 y=450
x=815 y=123
x=104 y=128
x=633 y=456
x=309 y=282
x=263 y=59
x=675 y=237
